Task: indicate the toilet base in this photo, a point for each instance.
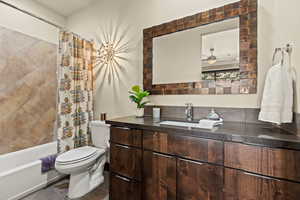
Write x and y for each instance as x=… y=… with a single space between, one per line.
x=84 y=182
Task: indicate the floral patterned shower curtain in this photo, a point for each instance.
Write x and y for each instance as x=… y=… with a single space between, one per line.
x=75 y=92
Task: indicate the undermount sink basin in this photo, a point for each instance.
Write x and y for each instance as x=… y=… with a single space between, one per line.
x=183 y=124
x=203 y=124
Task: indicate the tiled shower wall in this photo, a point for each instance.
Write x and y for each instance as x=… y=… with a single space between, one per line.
x=27 y=91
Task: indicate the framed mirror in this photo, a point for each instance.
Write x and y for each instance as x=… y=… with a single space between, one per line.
x=213 y=52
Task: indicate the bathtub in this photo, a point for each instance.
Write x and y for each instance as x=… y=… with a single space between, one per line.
x=20 y=172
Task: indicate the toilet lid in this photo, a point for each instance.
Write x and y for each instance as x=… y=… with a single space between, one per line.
x=77 y=154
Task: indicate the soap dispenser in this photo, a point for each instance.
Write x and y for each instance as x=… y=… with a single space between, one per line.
x=213 y=115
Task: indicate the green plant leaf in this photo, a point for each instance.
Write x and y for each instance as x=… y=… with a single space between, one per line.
x=140 y=96
x=146 y=93
x=137 y=95
x=136 y=88
x=143 y=94
x=134 y=99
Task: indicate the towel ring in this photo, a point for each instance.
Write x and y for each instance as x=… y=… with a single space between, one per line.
x=275 y=53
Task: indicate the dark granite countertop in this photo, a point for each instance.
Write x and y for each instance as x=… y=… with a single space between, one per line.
x=247 y=133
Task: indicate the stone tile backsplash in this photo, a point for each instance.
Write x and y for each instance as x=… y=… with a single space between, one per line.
x=249 y=115
x=229 y=114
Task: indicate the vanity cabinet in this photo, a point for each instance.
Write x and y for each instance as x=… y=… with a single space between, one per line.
x=125 y=164
x=158 y=165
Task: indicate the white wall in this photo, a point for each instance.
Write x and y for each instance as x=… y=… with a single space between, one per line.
x=18 y=21
x=169 y=56
x=277 y=24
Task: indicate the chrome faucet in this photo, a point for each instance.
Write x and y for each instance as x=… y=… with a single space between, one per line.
x=189 y=111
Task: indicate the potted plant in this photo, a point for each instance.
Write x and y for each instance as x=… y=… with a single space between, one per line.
x=137 y=95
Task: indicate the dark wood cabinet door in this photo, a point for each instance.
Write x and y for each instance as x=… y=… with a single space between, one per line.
x=126 y=136
x=159 y=175
x=199 y=181
x=279 y=163
x=126 y=161
x=246 y=186
x=124 y=189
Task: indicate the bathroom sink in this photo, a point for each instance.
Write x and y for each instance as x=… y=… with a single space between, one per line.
x=183 y=124
x=203 y=124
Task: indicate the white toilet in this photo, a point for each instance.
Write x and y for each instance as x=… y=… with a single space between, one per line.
x=86 y=164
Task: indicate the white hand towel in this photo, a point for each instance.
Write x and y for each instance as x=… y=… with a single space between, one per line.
x=209 y=124
x=277 y=102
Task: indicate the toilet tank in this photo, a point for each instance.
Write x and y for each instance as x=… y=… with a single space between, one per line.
x=100 y=134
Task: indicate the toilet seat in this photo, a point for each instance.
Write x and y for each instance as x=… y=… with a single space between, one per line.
x=78 y=155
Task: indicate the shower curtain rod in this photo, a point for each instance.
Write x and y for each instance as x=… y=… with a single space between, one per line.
x=39 y=18
x=31 y=14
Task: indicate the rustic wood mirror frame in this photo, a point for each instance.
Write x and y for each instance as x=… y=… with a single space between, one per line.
x=246 y=10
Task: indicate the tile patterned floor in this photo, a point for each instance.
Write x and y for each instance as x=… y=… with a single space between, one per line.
x=59 y=190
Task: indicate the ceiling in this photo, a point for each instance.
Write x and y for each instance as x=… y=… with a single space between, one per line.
x=65 y=7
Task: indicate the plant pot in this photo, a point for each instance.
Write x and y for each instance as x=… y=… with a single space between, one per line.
x=139 y=112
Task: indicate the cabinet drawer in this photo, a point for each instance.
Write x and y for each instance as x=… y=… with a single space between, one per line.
x=246 y=186
x=187 y=147
x=124 y=189
x=273 y=162
x=199 y=181
x=126 y=161
x=126 y=136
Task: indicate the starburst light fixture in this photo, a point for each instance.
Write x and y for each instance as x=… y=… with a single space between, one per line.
x=113 y=50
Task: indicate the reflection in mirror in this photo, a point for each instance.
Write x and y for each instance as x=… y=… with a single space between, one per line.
x=207 y=52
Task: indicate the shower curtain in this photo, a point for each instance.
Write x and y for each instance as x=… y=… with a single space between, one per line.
x=75 y=92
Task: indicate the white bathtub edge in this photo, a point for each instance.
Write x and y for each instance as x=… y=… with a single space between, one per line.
x=38 y=187
x=25 y=167
x=11 y=171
